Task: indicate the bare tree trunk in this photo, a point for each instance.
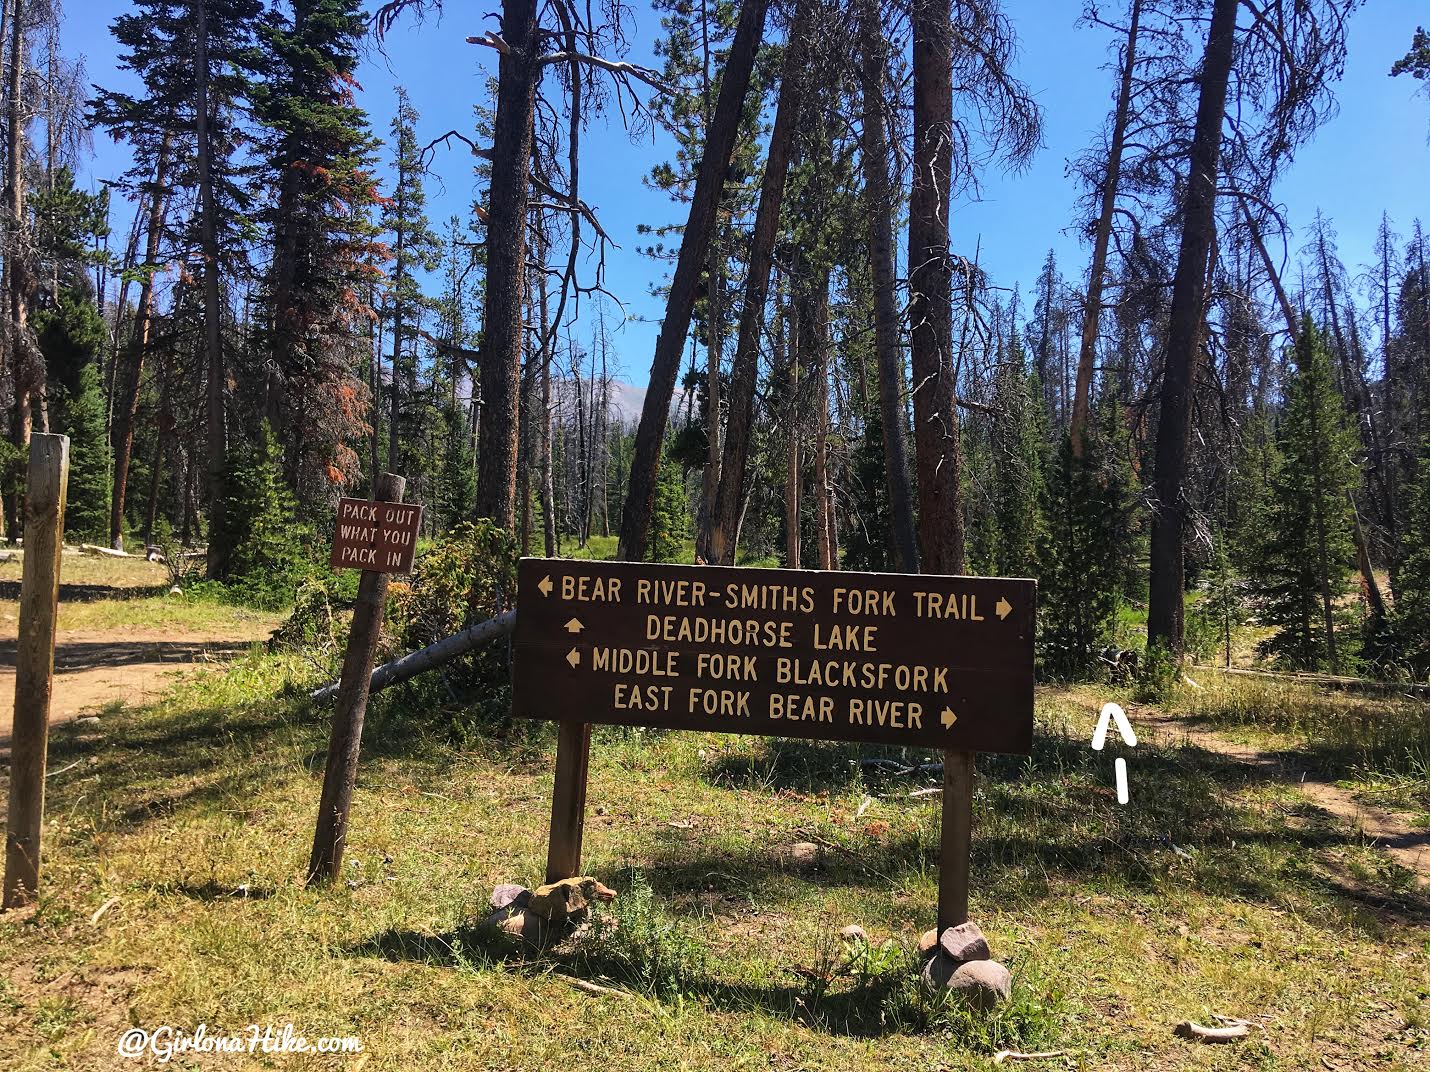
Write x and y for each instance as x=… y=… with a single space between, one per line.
x=131 y=253
x=22 y=357
x=166 y=431
x=1165 y=612
x=792 y=486
x=213 y=322
x=694 y=243
x=374 y=375
x=133 y=376
x=394 y=387
x=879 y=196
x=1092 y=314
x=824 y=500
x=936 y=435
x=500 y=355
x=745 y=370
x=548 y=483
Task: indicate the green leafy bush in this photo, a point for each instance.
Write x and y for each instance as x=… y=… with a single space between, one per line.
x=632 y=941
x=468 y=576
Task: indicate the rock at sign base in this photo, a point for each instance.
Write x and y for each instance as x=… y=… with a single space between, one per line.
x=854 y=935
x=518 y=923
x=510 y=893
x=928 y=943
x=984 y=984
x=568 y=898
x=964 y=943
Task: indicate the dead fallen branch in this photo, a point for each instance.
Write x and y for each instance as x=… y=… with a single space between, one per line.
x=595 y=988
x=1332 y=681
x=1234 y=1030
x=433 y=655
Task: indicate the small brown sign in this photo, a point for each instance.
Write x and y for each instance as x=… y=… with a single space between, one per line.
x=927 y=661
x=376 y=536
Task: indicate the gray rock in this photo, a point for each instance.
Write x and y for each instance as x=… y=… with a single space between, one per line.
x=984 y=984
x=510 y=893
x=854 y=934
x=964 y=943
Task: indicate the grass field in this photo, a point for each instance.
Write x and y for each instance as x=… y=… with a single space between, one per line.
x=1212 y=893
x=1216 y=891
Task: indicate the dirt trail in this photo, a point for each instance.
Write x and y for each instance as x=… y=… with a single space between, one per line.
x=1407 y=846
x=133 y=666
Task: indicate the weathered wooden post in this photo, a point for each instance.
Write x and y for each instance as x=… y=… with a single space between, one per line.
x=955 y=838
x=45 y=489
x=568 y=800
x=366 y=541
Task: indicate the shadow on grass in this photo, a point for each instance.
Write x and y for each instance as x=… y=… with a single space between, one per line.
x=1042 y=821
x=91 y=593
x=155 y=762
x=836 y=994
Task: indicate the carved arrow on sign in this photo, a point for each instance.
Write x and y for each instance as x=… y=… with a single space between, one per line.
x=574 y=626
x=574 y=658
x=545 y=585
x=948 y=718
x=1003 y=607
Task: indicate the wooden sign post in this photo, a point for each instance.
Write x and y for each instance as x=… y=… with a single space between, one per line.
x=45 y=489
x=915 y=660
x=380 y=537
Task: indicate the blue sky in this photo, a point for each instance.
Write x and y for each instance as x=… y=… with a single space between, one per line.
x=1372 y=156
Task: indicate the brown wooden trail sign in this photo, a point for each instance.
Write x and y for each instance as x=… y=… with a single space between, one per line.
x=379 y=537
x=916 y=660
x=376 y=536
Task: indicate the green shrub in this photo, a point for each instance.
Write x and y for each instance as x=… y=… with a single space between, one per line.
x=468 y=576
x=633 y=942
x=1157 y=675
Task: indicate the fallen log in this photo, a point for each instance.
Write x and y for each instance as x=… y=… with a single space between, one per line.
x=109 y=552
x=433 y=655
x=1332 y=681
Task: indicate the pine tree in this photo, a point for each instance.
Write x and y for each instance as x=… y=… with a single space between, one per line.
x=72 y=337
x=670 y=520
x=1016 y=471
x=1306 y=550
x=263 y=542
x=415 y=248
x=459 y=472
x=1410 y=624
x=1085 y=545
x=321 y=159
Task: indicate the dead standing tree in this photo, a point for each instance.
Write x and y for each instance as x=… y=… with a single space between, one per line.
x=520 y=44
x=1285 y=57
x=730 y=496
x=694 y=247
x=978 y=47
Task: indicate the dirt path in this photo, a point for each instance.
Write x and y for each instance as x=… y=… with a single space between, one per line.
x=94 y=670
x=1407 y=846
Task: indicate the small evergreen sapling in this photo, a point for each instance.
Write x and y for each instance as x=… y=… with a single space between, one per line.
x=1305 y=552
